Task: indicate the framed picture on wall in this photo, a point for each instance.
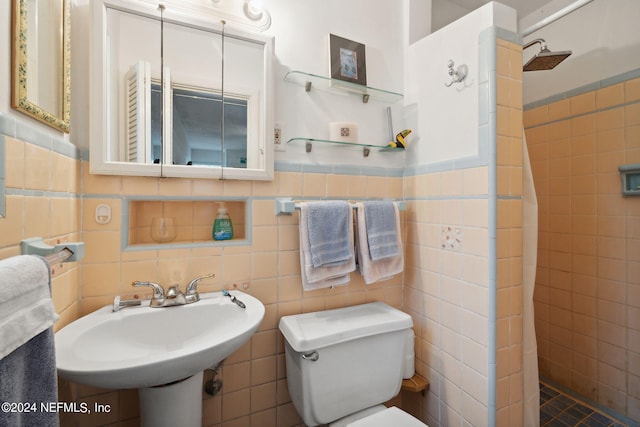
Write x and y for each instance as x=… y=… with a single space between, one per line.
x=347 y=60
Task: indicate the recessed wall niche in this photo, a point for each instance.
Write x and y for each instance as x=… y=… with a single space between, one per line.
x=189 y=221
x=630 y=175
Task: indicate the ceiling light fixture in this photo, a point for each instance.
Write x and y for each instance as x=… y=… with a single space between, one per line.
x=254 y=9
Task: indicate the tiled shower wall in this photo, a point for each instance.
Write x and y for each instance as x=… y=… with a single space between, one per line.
x=587 y=299
x=509 y=237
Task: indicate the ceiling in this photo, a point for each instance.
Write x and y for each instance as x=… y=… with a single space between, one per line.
x=524 y=7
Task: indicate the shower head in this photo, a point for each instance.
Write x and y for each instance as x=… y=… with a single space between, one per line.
x=545 y=59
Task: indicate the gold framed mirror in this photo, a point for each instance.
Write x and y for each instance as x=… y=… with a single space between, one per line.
x=41 y=60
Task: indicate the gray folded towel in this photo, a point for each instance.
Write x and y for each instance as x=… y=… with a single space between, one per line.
x=376 y=271
x=28 y=375
x=328 y=227
x=382 y=232
x=27 y=350
x=322 y=277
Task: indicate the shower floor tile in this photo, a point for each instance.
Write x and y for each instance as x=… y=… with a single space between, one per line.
x=559 y=410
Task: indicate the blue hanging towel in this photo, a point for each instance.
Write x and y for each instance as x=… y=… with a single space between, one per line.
x=329 y=226
x=382 y=231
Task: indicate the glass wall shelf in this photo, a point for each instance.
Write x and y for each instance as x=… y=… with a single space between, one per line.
x=366 y=148
x=309 y=80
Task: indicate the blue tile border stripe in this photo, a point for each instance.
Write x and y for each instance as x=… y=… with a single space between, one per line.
x=13 y=127
x=487 y=49
x=594 y=111
x=39 y=193
x=24 y=130
x=339 y=169
x=609 y=81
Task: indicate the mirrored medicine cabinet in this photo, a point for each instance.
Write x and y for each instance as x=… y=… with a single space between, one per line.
x=176 y=92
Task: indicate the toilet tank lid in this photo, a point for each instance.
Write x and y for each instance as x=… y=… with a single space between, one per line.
x=312 y=331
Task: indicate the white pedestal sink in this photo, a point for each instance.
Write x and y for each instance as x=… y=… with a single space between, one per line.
x=152 y=348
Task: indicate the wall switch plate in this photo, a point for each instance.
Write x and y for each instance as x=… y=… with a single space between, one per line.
x=279 y=143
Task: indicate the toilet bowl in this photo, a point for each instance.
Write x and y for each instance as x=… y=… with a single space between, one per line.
x=343 y=364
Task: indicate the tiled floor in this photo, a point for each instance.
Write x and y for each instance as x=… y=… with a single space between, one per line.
x=560 y=410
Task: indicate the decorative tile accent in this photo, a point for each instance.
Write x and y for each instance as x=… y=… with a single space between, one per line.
x=451 y=238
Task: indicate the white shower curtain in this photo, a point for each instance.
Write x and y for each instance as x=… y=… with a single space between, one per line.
x=529 y=260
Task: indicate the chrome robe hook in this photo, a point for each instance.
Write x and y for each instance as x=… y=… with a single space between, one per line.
x=458 y=74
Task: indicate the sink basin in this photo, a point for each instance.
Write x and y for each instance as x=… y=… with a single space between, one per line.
x=138 y=347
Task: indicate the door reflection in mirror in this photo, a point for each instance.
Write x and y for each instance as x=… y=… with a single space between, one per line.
x=196 y=133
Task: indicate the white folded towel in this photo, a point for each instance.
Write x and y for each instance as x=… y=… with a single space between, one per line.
x=323 y=277
x=26 y=308
x=375 y=271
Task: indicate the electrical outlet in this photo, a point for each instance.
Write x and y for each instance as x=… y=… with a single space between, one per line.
x=279 y=143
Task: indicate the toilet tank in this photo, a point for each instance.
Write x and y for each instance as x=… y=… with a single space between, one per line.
x=344 y=360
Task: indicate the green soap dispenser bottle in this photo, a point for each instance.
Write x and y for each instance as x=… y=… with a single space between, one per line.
x=222 y=226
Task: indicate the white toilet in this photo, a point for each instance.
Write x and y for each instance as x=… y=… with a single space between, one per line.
x=343 y=364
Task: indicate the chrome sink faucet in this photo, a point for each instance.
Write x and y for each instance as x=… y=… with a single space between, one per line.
x=119 y=303
x=173 y=296
x=192 y=288
x=157 y=300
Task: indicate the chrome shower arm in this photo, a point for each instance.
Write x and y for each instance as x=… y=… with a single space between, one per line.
x=543 y=44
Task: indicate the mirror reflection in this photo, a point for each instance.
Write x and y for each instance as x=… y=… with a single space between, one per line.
x=41 y=61
x=197 y=128
x=165 y=83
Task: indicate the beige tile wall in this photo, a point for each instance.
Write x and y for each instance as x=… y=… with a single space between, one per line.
x=43 y=202
x=446 y=292
x=509 y=386
x=254 y=392
x=46 y=201
x=587 y=297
